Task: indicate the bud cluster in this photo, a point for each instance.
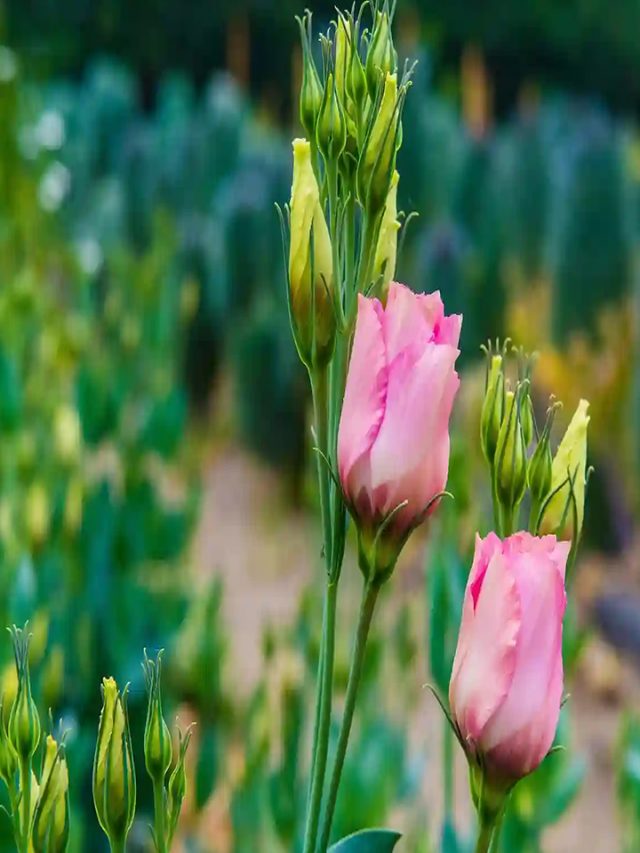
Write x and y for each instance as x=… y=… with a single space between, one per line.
x=39 y=798
x=158 y=751
x=344 y=177
x=519 y=454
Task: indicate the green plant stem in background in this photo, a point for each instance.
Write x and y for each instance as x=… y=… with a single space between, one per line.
x=319 y=390
x=323 y=724
x=367 y=607
x=117 y=846
x=160 y=809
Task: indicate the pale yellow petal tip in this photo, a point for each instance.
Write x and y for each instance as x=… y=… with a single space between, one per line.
x=301 y=147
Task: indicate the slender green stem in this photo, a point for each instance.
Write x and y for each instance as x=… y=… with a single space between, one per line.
x=367 y=607
x=25 y=805
x=117 y=846
x=447 y=770
x=159 y=810
x=483 y=843
x=321 y=744
x=319 y=682
x=320 y=391
x=495 y=840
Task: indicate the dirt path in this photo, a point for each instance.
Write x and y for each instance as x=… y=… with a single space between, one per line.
x=264 y=555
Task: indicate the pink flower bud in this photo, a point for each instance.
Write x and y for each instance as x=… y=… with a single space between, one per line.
x=507 y=681
x=393 y=441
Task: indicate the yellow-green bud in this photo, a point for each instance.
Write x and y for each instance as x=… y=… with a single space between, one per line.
x=24 y=721
x=510 y=464
x=331 y=128
x=37 y=514
x=344 y=34
x=8 y=757
x=492 y=409
x=157 y=738
x=381 y=58
x=311 y=88
x=387 y=248
x=310 y=264
x=67 y=433
x=378 y=159
x=114 y=780
x=563 y=514
x=51 y=817
x=527 y=419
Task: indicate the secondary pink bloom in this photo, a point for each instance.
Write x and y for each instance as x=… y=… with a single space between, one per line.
x=393 y=441
x=507 y=680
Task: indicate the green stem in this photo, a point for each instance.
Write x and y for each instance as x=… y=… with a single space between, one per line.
x=323 y=730
x=25 y=805
x=367 y=607
x=320 y=392
x=495 y=840
x=483 y=843
x=447 y=771
x=117 y=846
x=159 y=809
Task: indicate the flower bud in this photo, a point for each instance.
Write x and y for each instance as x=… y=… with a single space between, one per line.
x=540 y=465
x=563 y=512
x=310 y=264
x=492 y=409
x=114 y=780
x=381 y=58
x=8 y=757
x=311 y=89
x=51 y=817
x=378 y=159
x=177 y=787
x=527 y=418
x=331 y=127
x=342 y=58
x=157 y=738
x=24 y=721
x=357 y=82
x=387 y=248
x=510 y=465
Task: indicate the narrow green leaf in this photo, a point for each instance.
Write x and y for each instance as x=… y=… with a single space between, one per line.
x=367 y=841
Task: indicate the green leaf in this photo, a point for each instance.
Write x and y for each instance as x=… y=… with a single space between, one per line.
x=367 y=841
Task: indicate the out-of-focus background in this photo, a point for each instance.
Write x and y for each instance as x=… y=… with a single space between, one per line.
x=156 y=488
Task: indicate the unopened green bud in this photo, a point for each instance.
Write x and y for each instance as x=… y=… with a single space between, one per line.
x=387 y=248
x=331 y=128
x=378 y=159
x=51 y=816
x=177 y=787
x=492 y=409
x=510 y=464
x=563 y=513
x=8 y=757
x=310 y=264
x=381 y=58
x=527 y=419
x=157 y=738
x=311 y=89
x=539 y=472
x=114 y=779
x=24 y=721
x=357 y=82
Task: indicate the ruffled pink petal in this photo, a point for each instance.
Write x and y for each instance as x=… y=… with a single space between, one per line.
x=365 y=393
x=409 y=320
x=418 y=405
x=484 y=551
x=448 y=330
x=485 y=660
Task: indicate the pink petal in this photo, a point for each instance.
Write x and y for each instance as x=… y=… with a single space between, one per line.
x=485 y=659
x=484 y=551
x=418 y=406
x=542 y=600
x=364 y=398
x=448 y=330
x=409 y=319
